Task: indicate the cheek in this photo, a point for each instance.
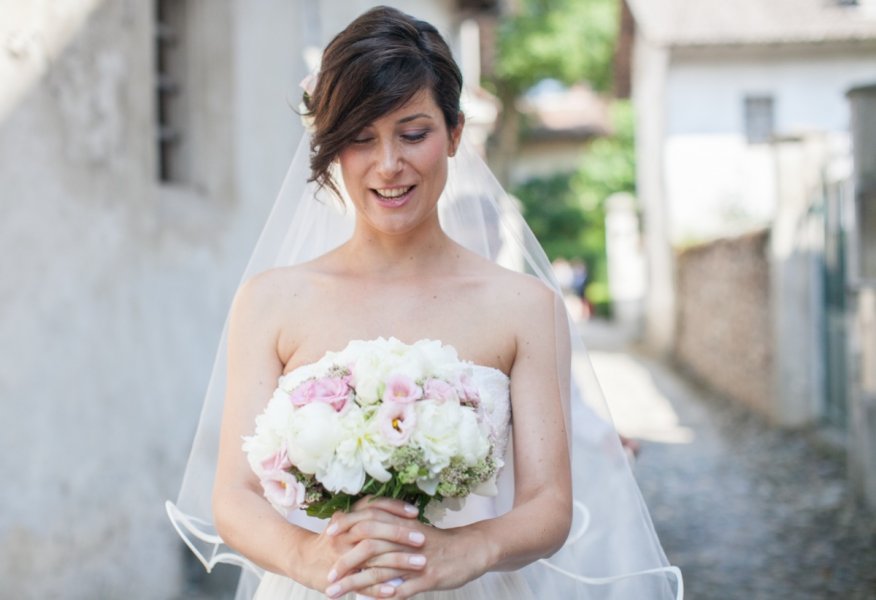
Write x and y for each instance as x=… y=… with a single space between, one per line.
x=433 y=160
x=350 y=168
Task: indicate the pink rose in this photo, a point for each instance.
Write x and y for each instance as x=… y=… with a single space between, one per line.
x=401 y=389
x=439 y=390
x=334 y=391
x=281 y=488
x=468 y=392
x=396 y=422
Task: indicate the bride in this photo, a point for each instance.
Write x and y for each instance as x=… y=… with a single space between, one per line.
x=386 y=124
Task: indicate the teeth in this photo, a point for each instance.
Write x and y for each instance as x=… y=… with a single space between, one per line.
x=394 y=192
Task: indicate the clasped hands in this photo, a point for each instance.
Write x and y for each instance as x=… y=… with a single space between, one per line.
x=381 y=541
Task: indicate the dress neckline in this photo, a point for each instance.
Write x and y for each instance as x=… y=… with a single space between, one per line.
x=471 y=363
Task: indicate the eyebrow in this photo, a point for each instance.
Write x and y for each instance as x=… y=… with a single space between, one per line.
x=414 y=118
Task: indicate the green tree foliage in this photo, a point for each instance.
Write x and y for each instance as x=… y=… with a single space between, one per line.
x=572 y=41
x=569 y=40
x=567 y=211
x=609 y=165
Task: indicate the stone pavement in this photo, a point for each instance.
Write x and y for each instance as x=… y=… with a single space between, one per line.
x=745 y=510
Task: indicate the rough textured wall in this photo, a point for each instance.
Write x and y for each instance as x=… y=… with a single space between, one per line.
x=724 y=333
x=115 y=287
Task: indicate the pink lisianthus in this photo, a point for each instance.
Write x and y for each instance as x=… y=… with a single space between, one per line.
x=281 y=488
x=396 y=422
x=334 y=391
x=439 y=390
x=401 y=389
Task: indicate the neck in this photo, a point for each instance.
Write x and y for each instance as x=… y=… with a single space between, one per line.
x=374 y=253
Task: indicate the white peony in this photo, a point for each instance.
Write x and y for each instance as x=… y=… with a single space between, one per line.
x=473 y=443
x=269 y=431
x=363 y=445
x=314 y=433
x=436 y=357
x=437 y=436
x=343 y=476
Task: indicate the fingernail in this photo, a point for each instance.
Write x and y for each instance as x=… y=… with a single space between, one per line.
x=332 y=529
x=416 y=537
x=387 y=590
x=417 y=559
x=333 y=591
x=333 y=574
x=411 y=509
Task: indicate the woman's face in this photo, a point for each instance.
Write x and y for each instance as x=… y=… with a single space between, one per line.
x=396 y=168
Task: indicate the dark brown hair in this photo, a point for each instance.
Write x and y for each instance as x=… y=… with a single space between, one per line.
x=374 y=66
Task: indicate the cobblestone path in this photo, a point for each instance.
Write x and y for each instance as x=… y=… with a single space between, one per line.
x=745 y=510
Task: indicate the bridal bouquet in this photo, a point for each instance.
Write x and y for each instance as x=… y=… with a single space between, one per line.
x=379 y=418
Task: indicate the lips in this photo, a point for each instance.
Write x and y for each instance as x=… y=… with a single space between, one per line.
x=393 y=197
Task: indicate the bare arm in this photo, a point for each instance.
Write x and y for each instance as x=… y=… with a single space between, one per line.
x=244 y=519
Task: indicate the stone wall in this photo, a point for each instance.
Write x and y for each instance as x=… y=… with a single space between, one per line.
x=724 y=331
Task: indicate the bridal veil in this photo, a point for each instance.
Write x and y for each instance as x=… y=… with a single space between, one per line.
x=612 y=552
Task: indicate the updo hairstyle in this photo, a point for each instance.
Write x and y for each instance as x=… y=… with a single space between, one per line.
x=374 y=66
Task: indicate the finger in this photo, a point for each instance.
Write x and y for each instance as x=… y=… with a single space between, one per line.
x=390 y=505
x=399 y=533
x=383 y=590
x=369 y=554
x=413 y=585
x=374 y=580
x=374 y=553
x=374 y=523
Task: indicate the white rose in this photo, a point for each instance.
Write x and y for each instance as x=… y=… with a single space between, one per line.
x=369 y=373
x=313 y=435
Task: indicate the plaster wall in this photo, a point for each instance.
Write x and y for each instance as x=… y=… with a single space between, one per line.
x=717 y=183
x=115 y=286
x=650 y=72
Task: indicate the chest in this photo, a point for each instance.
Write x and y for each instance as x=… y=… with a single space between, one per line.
x=462 y=313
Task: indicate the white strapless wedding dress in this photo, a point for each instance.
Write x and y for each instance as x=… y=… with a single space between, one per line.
x=493 y=386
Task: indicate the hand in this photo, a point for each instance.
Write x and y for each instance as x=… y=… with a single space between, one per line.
x=378 y=534
x=440 y=565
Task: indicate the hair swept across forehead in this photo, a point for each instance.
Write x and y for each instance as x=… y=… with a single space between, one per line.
x=374 y=66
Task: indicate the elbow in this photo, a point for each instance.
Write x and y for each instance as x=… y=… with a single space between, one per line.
x=223 y=515
x=562 y=526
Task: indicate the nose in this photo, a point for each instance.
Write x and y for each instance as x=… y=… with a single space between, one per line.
x=389 y=160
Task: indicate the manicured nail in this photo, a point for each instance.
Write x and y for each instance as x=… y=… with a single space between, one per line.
x=333 y=574
x=333 y=591
x=387 y=590
x=416 y=537
x=411 y=509
x=332 y=529
x=417 y=559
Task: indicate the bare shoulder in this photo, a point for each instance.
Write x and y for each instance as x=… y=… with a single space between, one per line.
x=514 y=291
x=266 y=293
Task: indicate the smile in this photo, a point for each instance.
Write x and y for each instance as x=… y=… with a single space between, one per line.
x=393 y=197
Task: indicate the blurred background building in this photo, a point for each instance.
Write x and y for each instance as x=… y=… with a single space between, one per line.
x=757 y=202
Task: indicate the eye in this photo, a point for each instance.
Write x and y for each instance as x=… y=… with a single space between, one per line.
x=364 y=139
x=414 y=137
